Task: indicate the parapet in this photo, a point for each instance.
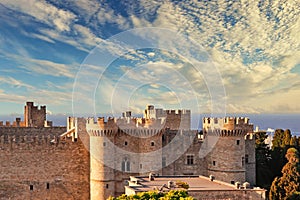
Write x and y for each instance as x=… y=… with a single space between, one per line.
x=30 y=104
x=30 y=135
x=250 y=136
x=226 y=120
x=178 y=112
x=227 y=124
x=16 y=123
x=154 y=119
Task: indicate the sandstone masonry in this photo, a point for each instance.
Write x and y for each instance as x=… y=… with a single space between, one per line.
x=93 y=159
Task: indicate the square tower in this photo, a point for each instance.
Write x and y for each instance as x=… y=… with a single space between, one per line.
x=33 y=116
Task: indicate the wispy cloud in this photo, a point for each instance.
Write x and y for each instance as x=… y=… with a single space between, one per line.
x=14 y=83
x=43 y=12
x=254 y=45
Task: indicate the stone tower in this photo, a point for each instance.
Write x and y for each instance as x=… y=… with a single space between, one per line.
x=250 y=159
x=226 y=159
x=118 y=148
x=172 y=119
x=33 y=116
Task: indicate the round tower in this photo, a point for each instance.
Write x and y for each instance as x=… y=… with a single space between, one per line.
x=102 y=184
x=226 y=159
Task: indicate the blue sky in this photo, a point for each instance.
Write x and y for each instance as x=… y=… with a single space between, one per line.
x=253 y=45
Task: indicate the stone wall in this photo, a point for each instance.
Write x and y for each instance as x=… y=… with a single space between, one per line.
x=176 y=149
x=33 y=167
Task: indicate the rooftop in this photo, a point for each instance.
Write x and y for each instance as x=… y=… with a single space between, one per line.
x=196 y=183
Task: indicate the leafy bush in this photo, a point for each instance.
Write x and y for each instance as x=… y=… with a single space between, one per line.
x=182 y=184
x=155 y=195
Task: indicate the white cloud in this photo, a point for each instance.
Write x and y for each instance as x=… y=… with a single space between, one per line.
x=14 y=82
x=43 y=12
x=253 y=50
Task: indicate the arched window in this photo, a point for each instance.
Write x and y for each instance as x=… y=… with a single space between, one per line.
x=126 y=165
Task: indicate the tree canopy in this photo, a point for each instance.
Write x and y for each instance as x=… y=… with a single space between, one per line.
x=288 y=186
x=263 y=156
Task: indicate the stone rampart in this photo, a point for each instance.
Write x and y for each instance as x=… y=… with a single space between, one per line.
x=37 y=164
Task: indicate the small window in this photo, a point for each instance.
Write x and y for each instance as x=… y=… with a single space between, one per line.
x=31 y=187
x=141 y=166
x=104 y=144
x=152 y=143
x=125 y=143
x=47 y=186
x=247 y=158
x=214 y=163
x=238 y=142
x=190 y=159
x=232 y=182
x=125 y=166
x=107 y=186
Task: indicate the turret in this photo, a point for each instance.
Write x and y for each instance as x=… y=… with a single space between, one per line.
x=226 y=160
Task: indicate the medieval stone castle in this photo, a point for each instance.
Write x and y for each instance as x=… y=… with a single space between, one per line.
x=93 y=158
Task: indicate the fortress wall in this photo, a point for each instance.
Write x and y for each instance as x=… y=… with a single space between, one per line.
x=175 y=142
x=42 y=131
x=39 y=169
x=178 y=120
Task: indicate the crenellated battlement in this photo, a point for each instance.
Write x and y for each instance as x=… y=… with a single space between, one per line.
x=250 y=137
x=30 y=135
x=35 y=116
x=153 y=121
x=138 y=132
x=178 y=112
x=227 y=126
x=226 y=120
x=224 y=133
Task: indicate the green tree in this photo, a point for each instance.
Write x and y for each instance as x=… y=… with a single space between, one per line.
x=278 y=139
x=287 y=186
x=287 y=137
x=293 y=142
x=278 y=151
x=264 y=175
